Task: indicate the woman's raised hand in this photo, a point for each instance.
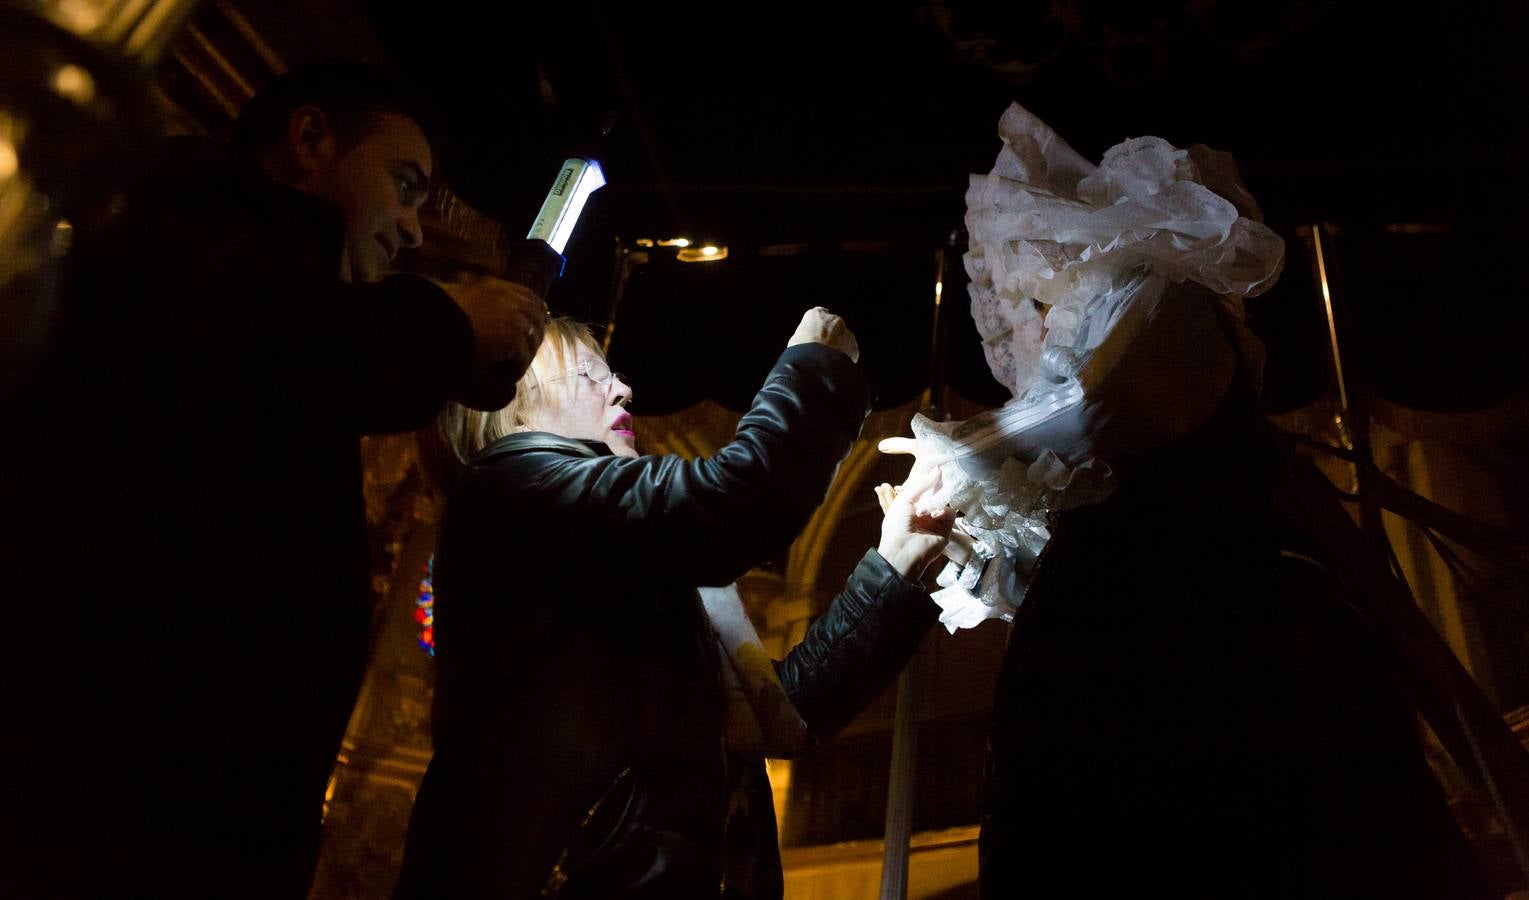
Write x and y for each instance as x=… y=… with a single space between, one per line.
x=819 y=326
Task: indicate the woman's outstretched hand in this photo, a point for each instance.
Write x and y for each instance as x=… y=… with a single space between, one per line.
x=959 y=549
x=911 y=538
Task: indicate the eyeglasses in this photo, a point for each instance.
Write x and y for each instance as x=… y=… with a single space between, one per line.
x=596 y=370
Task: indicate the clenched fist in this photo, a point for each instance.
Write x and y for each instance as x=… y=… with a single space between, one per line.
x=507 y=321
x=819 y=326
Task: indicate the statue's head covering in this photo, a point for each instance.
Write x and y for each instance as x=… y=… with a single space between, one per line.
x=1109 y=302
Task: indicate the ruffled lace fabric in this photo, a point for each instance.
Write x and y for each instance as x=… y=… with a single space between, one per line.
x=1066 y=259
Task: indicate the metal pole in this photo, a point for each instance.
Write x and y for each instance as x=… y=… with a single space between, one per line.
x=899 y=824
x=898 y=831
x=940 y=327
x=1325 y=285
x=1353 y=419
x=621 y=271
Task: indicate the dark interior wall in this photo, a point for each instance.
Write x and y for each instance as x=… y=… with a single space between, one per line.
x=860 y=121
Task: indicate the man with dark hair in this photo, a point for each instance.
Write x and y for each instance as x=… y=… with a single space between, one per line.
x=352 y=94
x=180 y=495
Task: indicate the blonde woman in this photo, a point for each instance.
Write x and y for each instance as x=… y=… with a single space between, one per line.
x=600 y=727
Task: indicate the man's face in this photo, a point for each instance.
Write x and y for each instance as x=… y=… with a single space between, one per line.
x=379 y=181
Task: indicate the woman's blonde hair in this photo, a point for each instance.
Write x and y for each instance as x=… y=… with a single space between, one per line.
x=460 y=433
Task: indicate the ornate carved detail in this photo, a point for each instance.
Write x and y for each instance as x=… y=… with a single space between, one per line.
x=363 y=838
x=395 y=501
x=387 y=744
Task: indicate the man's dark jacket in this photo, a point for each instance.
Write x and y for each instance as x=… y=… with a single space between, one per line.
x=578 y=713
x=183 y=521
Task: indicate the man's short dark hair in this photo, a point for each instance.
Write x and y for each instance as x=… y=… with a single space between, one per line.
x=351 y=93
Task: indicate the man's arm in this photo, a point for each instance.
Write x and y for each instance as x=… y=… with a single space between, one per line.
x=507 y=320
x=414 y=344
x=236 y=279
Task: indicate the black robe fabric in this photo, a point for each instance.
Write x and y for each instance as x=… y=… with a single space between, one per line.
x=1189 y=708
x=183 y=526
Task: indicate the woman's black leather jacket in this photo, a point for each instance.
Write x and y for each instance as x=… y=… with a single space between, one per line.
x=578 y=714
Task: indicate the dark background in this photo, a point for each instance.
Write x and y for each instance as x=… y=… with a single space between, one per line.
x=858 y=122
x=828 y=146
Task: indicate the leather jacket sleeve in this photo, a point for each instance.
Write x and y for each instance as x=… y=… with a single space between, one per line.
x=870 y=631
x=701 y=521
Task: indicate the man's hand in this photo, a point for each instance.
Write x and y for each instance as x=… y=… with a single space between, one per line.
x=819 y=326
x=911 y=538
x=507 y=321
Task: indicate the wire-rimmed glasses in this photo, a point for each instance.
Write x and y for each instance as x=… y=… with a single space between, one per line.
x=595 y=369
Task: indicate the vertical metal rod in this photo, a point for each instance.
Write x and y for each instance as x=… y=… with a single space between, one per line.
x=1353 y=418
x=1332 y=320
x=621 y=270
x=940 y=326
x=898 y=831
x=899 y=823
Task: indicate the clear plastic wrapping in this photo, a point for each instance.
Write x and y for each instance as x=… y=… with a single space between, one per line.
x=1067 y=261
